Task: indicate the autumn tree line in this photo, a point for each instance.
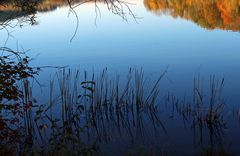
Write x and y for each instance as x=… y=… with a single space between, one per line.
x=213 y=14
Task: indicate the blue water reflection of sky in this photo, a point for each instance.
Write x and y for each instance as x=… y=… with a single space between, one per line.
x=154 y=42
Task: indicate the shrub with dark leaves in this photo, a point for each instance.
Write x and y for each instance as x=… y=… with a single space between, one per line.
x=13 y=69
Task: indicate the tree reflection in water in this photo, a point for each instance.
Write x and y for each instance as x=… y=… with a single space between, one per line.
x=214 y=14
x=87 y=113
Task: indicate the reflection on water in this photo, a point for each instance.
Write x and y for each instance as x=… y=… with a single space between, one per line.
x=39 y=5
x=214 y=14
x=102 y=113
x=91 y=114
x=15 y=9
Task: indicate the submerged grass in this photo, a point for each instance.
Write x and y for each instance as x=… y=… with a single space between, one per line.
x=205 y=113
x=82 y=113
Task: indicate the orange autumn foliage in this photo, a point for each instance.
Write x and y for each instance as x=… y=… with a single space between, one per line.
x=210 y=14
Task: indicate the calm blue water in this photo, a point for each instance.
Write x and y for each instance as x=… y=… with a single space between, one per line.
x=152 y=42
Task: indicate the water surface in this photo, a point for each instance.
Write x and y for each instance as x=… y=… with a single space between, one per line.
x=189 y=37
x=162 y=35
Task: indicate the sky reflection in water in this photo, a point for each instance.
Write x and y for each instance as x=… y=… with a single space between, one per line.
x=154 y=42
x=157 y=40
